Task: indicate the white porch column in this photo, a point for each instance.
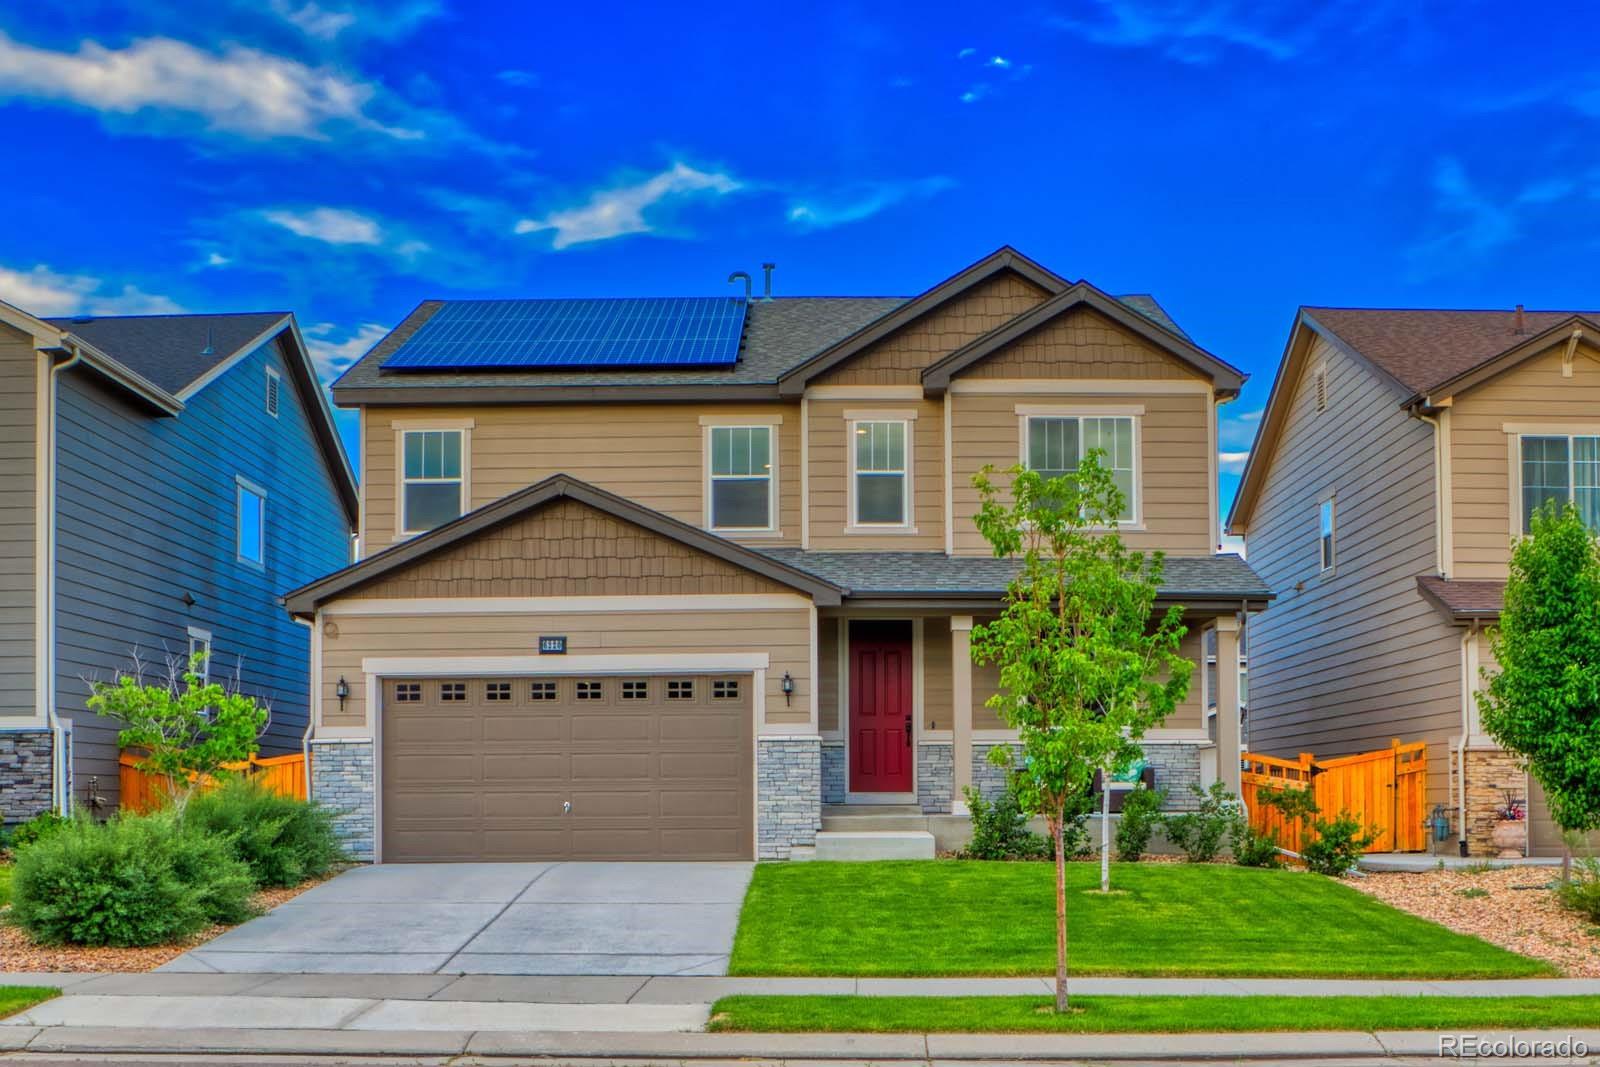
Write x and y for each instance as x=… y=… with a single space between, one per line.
x=1228 y=703
x=961 y=723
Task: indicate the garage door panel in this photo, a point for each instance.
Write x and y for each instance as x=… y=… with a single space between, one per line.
x=649 y=774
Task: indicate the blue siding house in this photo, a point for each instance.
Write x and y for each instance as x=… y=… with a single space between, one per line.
x=163 y=480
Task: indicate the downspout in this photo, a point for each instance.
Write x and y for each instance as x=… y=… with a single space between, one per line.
x=1461 y=745
x=60 y=797
x=1438 y=490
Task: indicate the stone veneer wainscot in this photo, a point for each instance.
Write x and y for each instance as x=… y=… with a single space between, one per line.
x=343 y=779
x=788 y=795
x=26 y=774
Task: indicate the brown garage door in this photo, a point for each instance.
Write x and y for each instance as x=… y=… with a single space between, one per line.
x=654 y=768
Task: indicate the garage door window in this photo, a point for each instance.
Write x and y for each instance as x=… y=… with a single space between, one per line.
x=408 y=693
x=680 y=689
x=725 y=689
x=590 y=690
x=453 y=691
x=542 y=691
x=497 y=691
x=635 y=690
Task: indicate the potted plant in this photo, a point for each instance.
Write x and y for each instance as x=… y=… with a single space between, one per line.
x=1510 y=834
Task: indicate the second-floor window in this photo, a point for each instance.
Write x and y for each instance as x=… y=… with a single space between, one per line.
x=250 y=522
x=432 y=486
x=1055 y=445
x=881 y=489
x=1325 y=535
x=1563 y=469
x=740 y=496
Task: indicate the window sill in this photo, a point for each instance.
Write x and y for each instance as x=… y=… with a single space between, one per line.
x=891 y=531
x=742 y=532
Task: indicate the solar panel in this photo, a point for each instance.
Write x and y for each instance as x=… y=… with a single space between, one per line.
x=622 y=332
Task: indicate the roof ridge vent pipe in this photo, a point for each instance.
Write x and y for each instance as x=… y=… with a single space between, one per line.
x=766 y=273
x=745 y=276
x=210 y=349
x=1522 y=321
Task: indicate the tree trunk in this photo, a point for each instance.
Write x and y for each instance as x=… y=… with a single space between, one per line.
x=1566 y=861
x=1057 y=830
x=1105 y=831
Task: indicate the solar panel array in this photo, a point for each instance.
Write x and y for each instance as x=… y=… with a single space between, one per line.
x=622 y=332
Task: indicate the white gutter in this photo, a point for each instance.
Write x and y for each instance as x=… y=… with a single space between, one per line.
x=60 y=796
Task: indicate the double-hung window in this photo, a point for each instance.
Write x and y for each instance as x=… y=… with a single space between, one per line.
x=881 y=478
x=1325 y=535
x=740 y=495
x=433 y=488
x=1562 y=469
x=199 y=644
x=250 y=522
x=1055 y=444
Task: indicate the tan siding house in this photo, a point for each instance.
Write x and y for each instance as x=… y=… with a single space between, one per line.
x=1405 y=429
x=777 y=554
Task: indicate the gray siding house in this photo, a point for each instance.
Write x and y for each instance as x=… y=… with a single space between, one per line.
x=163 y=479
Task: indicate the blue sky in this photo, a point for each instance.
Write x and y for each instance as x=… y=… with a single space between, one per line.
x=343 y=159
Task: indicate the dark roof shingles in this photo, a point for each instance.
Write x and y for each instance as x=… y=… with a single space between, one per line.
x=1471 y=598
x=169 y=350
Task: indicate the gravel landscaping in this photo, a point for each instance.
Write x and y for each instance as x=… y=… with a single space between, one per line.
x=1513 y=908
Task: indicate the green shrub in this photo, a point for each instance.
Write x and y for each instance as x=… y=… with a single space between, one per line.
x=283 y=840
x=1000 y=830
x=1141 y=814
x=1338 y=845
x=1581 y=892
x=135 y=880
x=35 y=829
x=1200 y=833
x=1252 y=849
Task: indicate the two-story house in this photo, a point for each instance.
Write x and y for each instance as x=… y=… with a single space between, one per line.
x=163 y=479
x=1398 y=459
x=662 y=578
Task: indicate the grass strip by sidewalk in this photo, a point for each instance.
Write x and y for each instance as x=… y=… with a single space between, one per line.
x=1143 y=1015
x=917 y=918
x=15 y=998
x=5 y=884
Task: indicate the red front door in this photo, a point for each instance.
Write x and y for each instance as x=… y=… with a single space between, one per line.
x=880 y=707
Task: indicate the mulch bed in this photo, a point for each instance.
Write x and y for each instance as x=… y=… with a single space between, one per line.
x=19 y=954
x=1519 y=912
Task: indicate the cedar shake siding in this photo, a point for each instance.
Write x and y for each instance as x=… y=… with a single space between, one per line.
x=1345 y=660
x=19 y=370
x=1081 y=343
x=146 y=510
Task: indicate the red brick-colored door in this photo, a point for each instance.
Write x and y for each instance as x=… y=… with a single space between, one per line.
x=880 y=708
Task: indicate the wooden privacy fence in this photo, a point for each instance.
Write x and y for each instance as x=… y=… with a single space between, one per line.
x=142 y=791
x=1385 y=790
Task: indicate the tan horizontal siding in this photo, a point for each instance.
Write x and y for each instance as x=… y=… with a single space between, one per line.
x=1081 y=343
x=1343 y=663
x=1190 y=714
x=19 y=368
x=900 y=358
x=653 y=454
x=828 y=694
x=829 y=476
x=938 y=694
x=1174 y=468
x=783 y=634
x=1481 y=478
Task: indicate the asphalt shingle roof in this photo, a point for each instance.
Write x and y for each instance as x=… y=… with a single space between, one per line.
x=169 y=350
x=923 y=573
x=1471 y=598
x=1424 y=348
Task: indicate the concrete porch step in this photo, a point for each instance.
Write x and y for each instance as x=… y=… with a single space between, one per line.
x=849 y=845
x=868 y=821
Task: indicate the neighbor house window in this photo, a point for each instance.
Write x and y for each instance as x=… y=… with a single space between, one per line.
x=1325 y=533
x=200 y=642
x=432 y=487
x=273 y=384
x=250 y=526
x=1057 y=444
x=741 y=495
x=882 y=483
x=1564 y=469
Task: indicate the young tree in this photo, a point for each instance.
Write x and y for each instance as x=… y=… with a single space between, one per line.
x=1084 y=668
x=1544 y=701
x=189 y=728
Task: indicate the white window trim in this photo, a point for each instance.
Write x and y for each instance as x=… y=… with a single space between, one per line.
x=1515 y=432
x=242 y=485
x=405 y=426
x=1324 y=567
x=906 y=419
x=200 y=640
x=771 y=424
x=274 y=392
x=1132 y=412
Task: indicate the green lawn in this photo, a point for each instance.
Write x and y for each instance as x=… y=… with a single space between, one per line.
x=915 y=918
x=22 y=997
x=1139 y=1015
x=5 y=884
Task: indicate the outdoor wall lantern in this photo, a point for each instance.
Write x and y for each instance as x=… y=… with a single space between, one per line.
x=342 y=691
x=788 y=688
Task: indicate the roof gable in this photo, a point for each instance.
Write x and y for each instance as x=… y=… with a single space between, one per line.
x=176 y=352
x=604 y=542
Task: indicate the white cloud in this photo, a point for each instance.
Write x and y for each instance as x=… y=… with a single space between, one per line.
x=43 y=291
x=999 y=61
x=826 y=210
x=1231 y=543
x=313 y=19
x=1196 y=31
x=966 y=52
x=239 y=90
x=620 y=211
x=334 y=226
x=217 y=259
x=1237 y=429
x=1233 y=462
x=334 y=357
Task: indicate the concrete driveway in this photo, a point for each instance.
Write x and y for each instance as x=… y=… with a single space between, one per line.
x=495 y=918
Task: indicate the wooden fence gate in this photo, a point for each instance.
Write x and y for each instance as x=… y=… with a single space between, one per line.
x=1386 y=790
x=143 y=792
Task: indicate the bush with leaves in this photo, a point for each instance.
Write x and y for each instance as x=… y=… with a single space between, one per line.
x=1580 y=893
x=1000 y=829
x=1200 y=833
x=1141 y=814
x=132 y=880
x=283 y=840
x=1337 y=845
x=1254 y=849
x=35 y=829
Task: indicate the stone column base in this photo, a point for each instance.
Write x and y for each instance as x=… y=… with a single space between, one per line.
x=343 y=779
x=788 y=795
x=1491 y=774
x=935 y=777
x=27 y=773
x=833 y=772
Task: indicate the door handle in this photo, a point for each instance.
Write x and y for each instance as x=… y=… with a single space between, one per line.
x=908 y=729
x=566 y=807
